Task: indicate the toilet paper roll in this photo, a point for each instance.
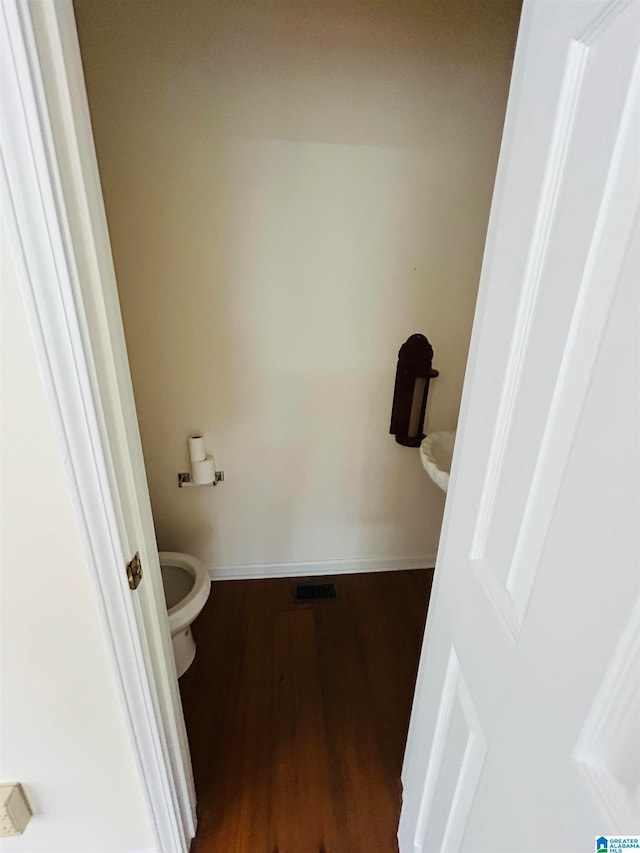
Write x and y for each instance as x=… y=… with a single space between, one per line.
x=197 y=450
x=203 y=471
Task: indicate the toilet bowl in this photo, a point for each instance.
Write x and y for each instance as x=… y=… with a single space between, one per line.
x=186 y=589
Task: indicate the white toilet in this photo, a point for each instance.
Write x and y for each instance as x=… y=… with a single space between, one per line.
x=186 y=589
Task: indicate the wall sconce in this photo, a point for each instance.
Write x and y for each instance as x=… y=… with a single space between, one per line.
x=411 y=389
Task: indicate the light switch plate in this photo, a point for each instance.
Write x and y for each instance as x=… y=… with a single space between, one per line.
x=15 y=812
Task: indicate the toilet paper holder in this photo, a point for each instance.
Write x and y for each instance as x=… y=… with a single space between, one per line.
x=184 y=479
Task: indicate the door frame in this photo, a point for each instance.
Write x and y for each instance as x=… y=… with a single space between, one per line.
x=54 y=213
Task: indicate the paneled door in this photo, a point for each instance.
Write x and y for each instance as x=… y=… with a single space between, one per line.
x=525 y=731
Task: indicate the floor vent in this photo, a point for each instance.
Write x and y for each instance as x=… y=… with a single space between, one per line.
x=314 y=592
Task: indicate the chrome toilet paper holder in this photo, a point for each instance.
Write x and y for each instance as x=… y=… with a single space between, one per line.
x=184 y=479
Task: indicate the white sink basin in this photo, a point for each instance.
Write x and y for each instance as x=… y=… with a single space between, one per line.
x=436 y=453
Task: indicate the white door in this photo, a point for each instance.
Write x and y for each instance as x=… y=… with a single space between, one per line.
x=525 y=732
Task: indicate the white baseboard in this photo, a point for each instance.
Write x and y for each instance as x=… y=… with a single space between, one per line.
x=252 y=571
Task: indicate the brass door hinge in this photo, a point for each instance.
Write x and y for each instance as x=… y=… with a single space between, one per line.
x=134 y=571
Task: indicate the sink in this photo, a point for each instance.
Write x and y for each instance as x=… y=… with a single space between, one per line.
x=436 y=452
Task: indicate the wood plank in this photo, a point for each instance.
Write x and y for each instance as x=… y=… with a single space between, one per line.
x=368 y=794
x=301 y=818
x=390 y=628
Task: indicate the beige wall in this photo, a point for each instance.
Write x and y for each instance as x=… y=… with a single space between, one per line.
x=292 y=189
x=62 y=727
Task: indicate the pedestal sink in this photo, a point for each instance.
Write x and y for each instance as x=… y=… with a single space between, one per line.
x=436 y=452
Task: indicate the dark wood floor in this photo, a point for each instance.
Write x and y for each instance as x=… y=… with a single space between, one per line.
x=297 y=714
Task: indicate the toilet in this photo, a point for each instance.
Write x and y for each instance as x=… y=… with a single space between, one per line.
x=186 y=589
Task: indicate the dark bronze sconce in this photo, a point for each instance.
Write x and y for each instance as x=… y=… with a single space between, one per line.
x=411 y=389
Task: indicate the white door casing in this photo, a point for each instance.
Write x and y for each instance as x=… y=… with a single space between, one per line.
x=52 y=203
x=525 y=731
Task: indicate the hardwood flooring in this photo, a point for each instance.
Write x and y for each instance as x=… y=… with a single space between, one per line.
x=297 y=714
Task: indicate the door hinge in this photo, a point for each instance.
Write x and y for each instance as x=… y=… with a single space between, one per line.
x=134 y=571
